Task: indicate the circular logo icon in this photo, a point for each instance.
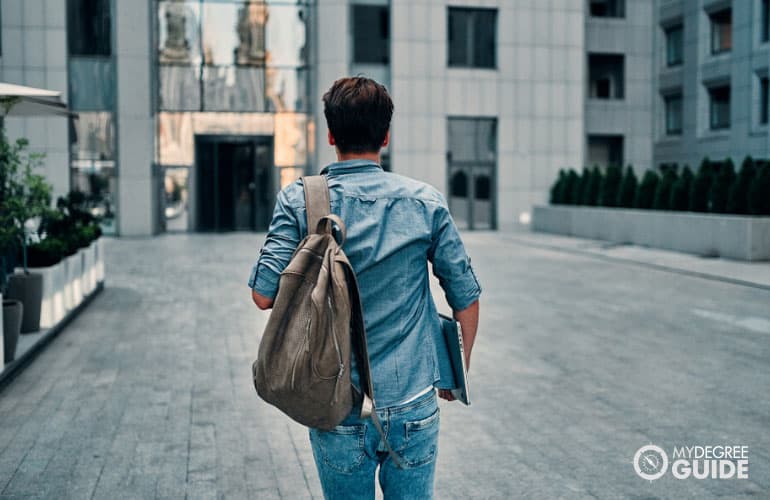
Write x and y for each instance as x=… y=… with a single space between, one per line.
x=650 y=462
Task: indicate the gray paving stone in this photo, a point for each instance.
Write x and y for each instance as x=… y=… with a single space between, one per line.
x=580 y=361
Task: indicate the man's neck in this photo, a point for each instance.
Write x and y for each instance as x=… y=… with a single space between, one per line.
x=373 y=156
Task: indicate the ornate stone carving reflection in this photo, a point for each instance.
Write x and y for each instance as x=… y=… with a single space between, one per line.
x=177 y=46
x=252 y=18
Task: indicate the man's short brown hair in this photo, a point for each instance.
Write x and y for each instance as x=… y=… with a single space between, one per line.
x=358 y=111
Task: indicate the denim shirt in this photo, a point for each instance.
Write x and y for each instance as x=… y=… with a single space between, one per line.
x=395 y=225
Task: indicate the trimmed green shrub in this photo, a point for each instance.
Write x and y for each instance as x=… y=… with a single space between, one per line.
x=680 y=191
x=609 y=187
x=569 y=186
x=720 y=187
x=627 y=190
x=646 y=191
x=576 y=196
x=701 y=184
x=590 y=196
x=662 y=198
x=759 y=192
x=45 y=253
x=557 y=189
x=738 y=195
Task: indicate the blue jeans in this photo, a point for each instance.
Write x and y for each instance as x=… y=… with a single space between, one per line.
x=348 y=455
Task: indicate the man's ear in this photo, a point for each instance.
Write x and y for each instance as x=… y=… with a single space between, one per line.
x=332 y=142
x=387 y=139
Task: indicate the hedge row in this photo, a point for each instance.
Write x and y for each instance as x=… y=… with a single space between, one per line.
x=715 y=188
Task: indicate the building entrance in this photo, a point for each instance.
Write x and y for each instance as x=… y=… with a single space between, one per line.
x=235 y=186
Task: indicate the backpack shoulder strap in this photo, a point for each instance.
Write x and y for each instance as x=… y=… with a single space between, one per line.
x=316 y=200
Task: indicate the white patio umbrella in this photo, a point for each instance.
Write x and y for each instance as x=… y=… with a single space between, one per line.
x=18 y=100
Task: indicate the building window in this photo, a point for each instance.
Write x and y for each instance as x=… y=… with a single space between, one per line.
x=765 y=20
x=764 y=101
x=720 y=107
x=608 y=8
x=89 y=28
x=673 y=114
x=472 y=37
x=674 y=45
x=371 y=34
x=605 y=73
x=605 y=150
x=721 y=31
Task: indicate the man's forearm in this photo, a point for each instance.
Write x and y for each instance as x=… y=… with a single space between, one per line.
x=469 y=322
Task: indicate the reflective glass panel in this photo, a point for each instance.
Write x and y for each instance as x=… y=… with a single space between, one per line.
x=286 y=90
x=178 y=32
x=224 y=26
x=91 y=84
x=233 y=88
x=179 y=88
x=286 y=36
x=176 y=196
x=89 y=30
x=101 y=187
x=472 y=139
x=92 y=138
x=290 y=140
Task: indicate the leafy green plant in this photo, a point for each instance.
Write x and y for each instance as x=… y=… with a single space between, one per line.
x=662 y=198
x=759 y=192
x=24 y=195
x=576 y=197
x=680 y=191
x=720 y=186
x=608 y=190
x=699 y=190
x=628 y=188
x=646 y=191
x=45 y=253
x=738 y=195
x=570 y=183
x=590 y=195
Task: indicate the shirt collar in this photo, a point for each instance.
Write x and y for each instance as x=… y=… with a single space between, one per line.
x=349 y=166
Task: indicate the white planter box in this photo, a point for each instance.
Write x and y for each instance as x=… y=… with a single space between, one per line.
x=73 y=293
x=52 y=308
x=86 y=282
x=730 y=236
x=99 y=260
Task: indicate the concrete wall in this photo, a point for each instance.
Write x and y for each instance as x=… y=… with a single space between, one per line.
x=138 y=188
x=741 y=68
x=34 y=53
x=536 y=92
x=732 y=237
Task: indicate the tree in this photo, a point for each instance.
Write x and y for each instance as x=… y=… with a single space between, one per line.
x=680 y=191
x=759 y=192
x=738 y=196
x=576 y=196
x=646 y=191
x=591 y=188
x=627 y=190
x=662 y=198
x=720 y=187
x=608 y=189
x=569 y=186
x=699 y=190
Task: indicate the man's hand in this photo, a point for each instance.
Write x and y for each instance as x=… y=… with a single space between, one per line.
x=446 y=394
x=261 y=301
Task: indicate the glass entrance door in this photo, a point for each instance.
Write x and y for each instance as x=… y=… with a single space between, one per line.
x=235 y=184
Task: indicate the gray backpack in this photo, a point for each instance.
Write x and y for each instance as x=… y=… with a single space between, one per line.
x=303 y=363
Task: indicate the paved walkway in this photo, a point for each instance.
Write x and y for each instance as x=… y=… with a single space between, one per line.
x=579 y=362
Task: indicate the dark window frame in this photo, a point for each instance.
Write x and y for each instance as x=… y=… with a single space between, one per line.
x=714 y=122
x=383 y=25
x=674 y=61
x=619 y=12
x=617 y=92
x=764 y=99
x=473 y=42
x=669 y=100
x=717 y=19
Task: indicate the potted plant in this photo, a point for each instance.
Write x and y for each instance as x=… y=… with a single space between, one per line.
x=12 y=309
x=28 y=196
x=44 y=257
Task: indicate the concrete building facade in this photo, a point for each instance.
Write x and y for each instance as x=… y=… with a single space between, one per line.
x=192 y=114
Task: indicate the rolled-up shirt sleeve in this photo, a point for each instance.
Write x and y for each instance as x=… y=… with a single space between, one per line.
x=451 y=264
x=283 y=236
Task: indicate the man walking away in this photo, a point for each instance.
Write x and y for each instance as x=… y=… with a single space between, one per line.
x=395 y=226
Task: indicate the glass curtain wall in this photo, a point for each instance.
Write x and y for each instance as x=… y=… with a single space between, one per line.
x=230 y=68
x=91 y=74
